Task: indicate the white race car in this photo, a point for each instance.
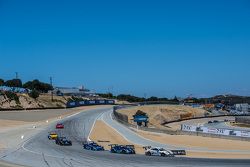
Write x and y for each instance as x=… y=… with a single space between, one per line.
x=150 y=151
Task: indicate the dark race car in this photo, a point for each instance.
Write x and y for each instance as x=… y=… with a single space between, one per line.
x=59 y=126
x=63 y=141
x=122 y=149
x=92 y=146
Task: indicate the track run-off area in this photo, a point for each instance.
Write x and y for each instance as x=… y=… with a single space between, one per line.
x=36 y=150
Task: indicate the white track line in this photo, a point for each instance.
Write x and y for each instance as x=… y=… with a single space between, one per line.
x=101 y=114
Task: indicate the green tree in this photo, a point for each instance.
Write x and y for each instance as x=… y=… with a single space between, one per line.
x=175 y=99
x=139 y=112
x=1 y=82
x=130 y=98
x=34 y=94
x=107 y=95
x=14 y=83
x=37 y=85
x=153 y=98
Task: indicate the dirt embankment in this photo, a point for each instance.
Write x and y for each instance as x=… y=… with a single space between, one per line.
x=159 y=114
x=19 y=101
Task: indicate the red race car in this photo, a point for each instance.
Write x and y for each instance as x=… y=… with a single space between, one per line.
x=59 y=126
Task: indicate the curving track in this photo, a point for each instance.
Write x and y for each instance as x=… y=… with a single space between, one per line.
x=38 y=151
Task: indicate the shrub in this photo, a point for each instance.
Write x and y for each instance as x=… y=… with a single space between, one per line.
x=139 y=112
x=34 y=94
x=1 y=82
x=37 y=85
x=12 y=96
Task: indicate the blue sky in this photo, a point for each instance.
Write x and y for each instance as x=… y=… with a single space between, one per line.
x=162 y=48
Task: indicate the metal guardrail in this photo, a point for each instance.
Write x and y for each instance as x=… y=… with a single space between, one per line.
x=23 y=109
x=216 y=116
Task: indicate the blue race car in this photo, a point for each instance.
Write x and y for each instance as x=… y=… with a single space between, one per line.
x=92 y=146
x=63 y=141
x=122 y=149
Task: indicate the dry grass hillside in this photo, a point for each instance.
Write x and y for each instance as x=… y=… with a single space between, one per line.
x=24 y=101
x=159 y=114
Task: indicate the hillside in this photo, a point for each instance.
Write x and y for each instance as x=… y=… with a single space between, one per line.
x=227 y=99
x=23 y=101
x=159 y=114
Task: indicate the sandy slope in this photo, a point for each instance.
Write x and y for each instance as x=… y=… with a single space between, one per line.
x=43 y=101
x=159 y=114
x=102 y=132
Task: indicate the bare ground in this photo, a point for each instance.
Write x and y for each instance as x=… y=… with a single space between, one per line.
x=102 y=132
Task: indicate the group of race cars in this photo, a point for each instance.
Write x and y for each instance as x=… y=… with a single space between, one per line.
x=115 y=148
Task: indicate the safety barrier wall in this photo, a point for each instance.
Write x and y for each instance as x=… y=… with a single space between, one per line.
x=119 y=116
x=217 y=131
x=214 y=135
x=72 y=104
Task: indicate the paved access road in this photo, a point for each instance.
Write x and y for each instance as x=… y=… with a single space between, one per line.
x=40 y=152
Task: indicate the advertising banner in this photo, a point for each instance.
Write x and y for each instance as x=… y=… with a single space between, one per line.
x=217 y=131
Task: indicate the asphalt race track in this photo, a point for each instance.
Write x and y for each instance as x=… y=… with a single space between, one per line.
x=40 y=152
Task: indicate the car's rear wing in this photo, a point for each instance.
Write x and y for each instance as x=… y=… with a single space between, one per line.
x=113 y=145
x=88 y=142
x=147 y=147
x=179 y=152
x=130 y=146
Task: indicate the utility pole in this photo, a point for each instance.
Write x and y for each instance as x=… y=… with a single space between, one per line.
x=145 y=96
x=16 y=75
x=52 y=99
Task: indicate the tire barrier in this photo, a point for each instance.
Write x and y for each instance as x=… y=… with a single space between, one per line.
x=72 y=104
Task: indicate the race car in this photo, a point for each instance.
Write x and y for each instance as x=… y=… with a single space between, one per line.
x=122 y=149
x=92 y=146
x=63 y=141
x=52 y=136
x=59 y=126
x=150 y=151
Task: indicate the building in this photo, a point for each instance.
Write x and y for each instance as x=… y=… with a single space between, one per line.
x=244 y=108
x=73 y=91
